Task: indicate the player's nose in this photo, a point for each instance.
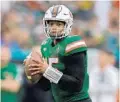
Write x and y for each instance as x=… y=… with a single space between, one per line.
x=54 y=27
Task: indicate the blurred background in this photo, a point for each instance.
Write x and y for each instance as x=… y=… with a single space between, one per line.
x=21 y=30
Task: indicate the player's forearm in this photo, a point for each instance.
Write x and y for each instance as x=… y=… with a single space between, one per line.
x=73 y=76
x=11 y=85
x=70 y=83
x=67 y=81
x=44 y=84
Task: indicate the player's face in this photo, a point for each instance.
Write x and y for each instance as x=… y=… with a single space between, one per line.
x=56 y=28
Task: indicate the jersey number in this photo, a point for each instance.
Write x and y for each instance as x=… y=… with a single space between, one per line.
x=53 y=61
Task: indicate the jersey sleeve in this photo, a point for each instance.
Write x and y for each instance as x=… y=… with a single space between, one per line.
x=74 y=72
x=75 y=45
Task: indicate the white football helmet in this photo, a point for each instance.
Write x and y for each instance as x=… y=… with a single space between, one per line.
x=58 y=13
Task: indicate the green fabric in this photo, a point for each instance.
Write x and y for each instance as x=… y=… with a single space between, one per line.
x=5 y=95
x=72 y=39
x=55 y=55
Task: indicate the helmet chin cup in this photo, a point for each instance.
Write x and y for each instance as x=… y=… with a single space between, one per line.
x=58 y=13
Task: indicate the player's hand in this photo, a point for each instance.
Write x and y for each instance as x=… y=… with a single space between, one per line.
x=38 y=68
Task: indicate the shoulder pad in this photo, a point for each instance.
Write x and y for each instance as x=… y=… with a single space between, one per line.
x=75 y=44
x=45 y=42
x=44 y=46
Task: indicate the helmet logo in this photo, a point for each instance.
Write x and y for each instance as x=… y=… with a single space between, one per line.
x=56 y=11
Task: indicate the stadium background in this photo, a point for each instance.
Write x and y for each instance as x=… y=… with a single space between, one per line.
x=96 y=21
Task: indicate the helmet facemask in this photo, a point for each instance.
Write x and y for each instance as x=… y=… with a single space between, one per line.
x=58 y=35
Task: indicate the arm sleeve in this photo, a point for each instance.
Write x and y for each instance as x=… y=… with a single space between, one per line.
x=44 y=84
x=73 y=76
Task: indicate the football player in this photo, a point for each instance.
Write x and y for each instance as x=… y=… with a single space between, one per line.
x=65 y=67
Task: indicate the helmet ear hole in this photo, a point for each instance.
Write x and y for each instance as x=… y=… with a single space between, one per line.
x=64 y=23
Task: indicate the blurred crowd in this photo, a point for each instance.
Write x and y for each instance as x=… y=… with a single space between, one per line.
x=21 y=30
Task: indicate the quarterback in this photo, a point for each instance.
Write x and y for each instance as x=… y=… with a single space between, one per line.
x=65 y=67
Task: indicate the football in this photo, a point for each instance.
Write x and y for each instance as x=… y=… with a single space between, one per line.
x=35 y=55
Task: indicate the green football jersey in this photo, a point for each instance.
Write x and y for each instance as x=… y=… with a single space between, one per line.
x=54 y=55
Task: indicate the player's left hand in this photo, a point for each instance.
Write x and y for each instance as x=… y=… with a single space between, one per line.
x=38 y=67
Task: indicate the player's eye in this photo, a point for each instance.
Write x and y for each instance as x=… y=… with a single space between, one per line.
x=51 y=24
x=59 y=24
